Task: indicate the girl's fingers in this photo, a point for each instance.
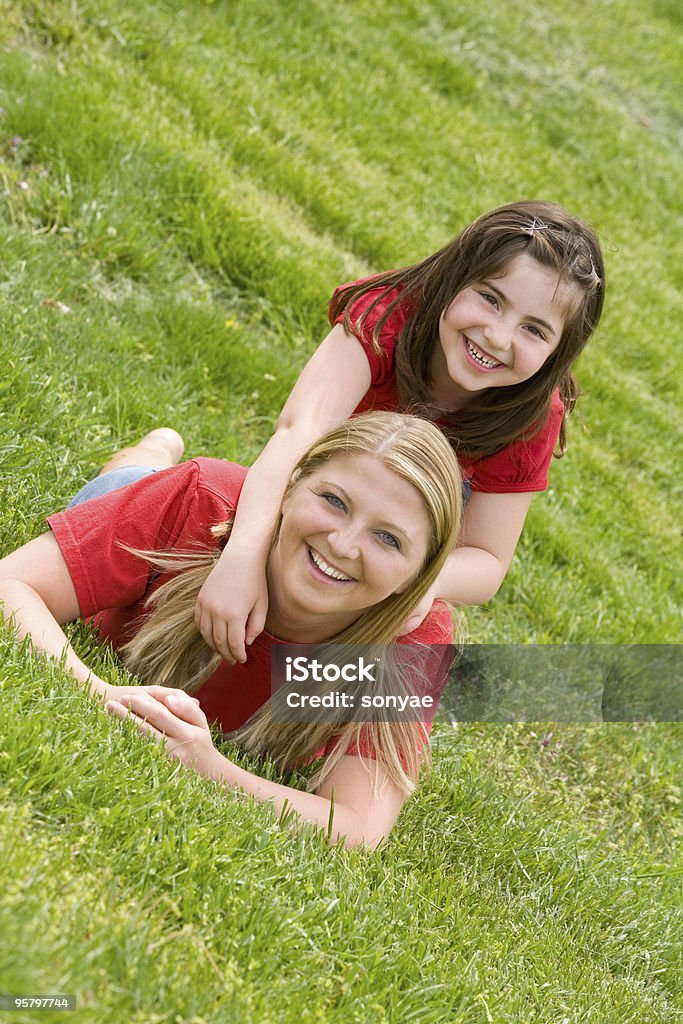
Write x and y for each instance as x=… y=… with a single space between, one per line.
x=256 y=621
x=221 y=643
x=236 y=641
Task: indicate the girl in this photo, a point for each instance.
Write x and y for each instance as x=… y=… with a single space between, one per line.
x=480 y=337
x=347 y=563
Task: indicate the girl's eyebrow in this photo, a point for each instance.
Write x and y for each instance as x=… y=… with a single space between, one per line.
x=532 y=319
x=384 y=525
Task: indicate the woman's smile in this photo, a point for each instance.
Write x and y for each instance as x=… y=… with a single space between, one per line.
x=328 y=572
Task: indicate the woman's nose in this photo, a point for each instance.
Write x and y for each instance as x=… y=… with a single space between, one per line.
x=344 y=543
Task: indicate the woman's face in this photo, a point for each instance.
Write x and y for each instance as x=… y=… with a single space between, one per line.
x=352 y=533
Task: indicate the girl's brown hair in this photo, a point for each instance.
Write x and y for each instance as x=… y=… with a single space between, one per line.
x=169 y=650
x=496 y=416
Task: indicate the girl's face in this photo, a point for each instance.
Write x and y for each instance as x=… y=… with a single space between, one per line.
x=499 y=331
x=352 y=533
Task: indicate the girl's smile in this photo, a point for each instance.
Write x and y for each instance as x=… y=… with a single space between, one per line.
x=352 y=533
x=498 y=331
x=480 y=359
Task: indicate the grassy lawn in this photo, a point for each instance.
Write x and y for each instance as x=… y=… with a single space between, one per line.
x=182 y=185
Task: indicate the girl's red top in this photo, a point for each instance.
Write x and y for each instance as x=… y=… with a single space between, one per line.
x=521 y=466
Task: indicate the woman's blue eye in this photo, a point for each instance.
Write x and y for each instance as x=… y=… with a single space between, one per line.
x=389 y=540
x=333 y=500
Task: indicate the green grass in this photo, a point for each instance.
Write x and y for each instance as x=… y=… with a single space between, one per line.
x=192 y=181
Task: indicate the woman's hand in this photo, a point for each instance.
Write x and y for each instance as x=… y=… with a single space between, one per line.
x=418 y=614
x=348 y=805
x=232 y=605
x=121 y=693
x=176 y=719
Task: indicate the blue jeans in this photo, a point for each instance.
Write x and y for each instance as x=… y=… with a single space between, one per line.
x=111 y=481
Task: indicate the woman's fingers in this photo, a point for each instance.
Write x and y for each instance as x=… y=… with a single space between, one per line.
x=186 y=708
x=151 y=710
x=123 y=712
x=167 y=712
x=180 y=724
x=163 y=692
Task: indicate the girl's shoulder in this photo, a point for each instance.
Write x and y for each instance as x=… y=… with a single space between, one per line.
x=368 y=302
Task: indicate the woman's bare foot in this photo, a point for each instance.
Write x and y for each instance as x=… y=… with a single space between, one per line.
x=160 y=448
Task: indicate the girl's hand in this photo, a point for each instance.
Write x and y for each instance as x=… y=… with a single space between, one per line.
x=419 y=614
x=232 y=605
x=176 y=720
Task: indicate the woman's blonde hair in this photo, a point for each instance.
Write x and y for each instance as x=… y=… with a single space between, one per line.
x=169 y=650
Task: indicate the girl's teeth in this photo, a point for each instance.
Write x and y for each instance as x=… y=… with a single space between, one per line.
x=327 y=569
x=489 y=363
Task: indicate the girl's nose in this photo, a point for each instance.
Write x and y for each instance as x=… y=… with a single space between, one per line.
x=499 y=336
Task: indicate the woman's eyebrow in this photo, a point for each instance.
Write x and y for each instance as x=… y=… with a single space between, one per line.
x=532 y=319
x=384 y=524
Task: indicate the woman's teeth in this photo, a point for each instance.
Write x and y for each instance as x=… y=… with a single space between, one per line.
x=476 y=354
x=327 y=569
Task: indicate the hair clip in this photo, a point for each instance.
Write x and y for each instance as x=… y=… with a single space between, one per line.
x=536 y=225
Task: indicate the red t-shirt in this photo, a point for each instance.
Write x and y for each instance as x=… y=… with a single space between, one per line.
x=521 y=466
x=174 y=510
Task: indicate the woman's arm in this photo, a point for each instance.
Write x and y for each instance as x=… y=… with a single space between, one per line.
x=37 y=593
x=328 y=390
x=346 y=803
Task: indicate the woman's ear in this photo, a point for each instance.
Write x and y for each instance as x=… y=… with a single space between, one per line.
x=285 y=506
x=408 y=584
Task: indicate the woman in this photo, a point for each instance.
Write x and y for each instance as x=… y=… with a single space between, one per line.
x=371 y=512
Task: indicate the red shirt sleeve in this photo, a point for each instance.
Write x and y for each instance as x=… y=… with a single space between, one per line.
x=162 y=511
x=382 y=362
x=522 y=466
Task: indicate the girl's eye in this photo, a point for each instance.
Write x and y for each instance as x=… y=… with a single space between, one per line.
x=535 y=331
x=389 y=540
x=334 y=501
x=490 y=299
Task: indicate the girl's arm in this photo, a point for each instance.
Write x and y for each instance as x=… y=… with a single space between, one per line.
x=491 y=529
x=492 y=526
x=346 y=803
x=328 y=390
